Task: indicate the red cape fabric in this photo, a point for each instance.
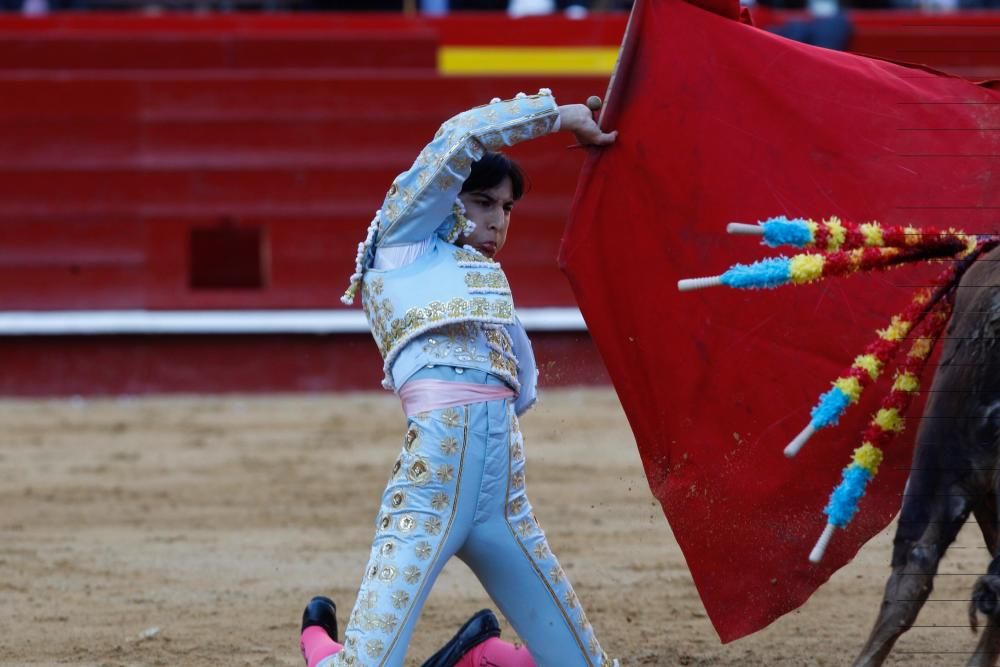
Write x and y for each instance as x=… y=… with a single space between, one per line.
x=720 y=122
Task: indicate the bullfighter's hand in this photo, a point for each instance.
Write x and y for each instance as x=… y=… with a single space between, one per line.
x=579 y=120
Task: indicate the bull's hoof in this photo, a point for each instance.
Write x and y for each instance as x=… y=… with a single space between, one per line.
x=985 y=598
x=986 y=601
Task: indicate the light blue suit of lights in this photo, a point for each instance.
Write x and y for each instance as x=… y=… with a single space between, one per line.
x=458 y=486
x=450 y=288
x=451 y=306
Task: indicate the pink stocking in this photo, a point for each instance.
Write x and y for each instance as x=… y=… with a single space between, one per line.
x=316 y=645
x=495 y=652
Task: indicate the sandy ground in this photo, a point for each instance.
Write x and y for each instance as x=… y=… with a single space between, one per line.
x=191 y=531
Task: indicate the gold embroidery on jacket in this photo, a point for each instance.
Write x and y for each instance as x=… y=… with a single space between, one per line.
x=388 y=331
x=492 y=281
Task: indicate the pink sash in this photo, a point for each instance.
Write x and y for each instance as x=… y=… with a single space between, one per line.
x=427 y=395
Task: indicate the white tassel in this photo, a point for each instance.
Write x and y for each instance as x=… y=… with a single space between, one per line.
x=495 y=100
x=743 y=229
x=462 y=223
x=520 y=96
x=816 y=555
x=802 y=438
x=689 y=284
x=545 y=91
x=473 y=250
x=459 y=210
x=359 y=261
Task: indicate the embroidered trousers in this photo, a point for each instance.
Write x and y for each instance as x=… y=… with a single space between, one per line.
x=458 y=488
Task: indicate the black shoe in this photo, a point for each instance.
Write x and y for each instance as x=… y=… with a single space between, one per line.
x=322 y=612
x=482 y=626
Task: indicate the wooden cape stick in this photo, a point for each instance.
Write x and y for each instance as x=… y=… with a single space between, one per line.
x=624 y=59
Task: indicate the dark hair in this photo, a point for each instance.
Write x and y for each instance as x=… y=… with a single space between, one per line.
x=489 y=171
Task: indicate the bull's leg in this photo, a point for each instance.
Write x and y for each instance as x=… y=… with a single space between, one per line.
x=915 y=562
x=986 y=593
x=989 y=644
x=986 y=516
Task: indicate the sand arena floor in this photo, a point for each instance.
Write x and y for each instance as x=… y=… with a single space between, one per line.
x=190 y=531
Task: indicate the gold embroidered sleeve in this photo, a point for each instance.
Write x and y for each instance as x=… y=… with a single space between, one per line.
x=420 y=200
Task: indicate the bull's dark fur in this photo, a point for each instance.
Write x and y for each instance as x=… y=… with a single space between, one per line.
x=955 y=471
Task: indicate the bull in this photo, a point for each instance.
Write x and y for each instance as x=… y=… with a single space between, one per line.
x=955 y=472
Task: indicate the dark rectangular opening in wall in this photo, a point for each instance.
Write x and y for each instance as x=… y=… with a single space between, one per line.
x=226 y=256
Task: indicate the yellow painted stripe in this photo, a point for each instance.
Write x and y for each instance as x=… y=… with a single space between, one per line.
x=466 y=60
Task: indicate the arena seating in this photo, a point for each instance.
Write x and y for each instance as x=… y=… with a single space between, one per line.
x=116 y=146
x=961 y=43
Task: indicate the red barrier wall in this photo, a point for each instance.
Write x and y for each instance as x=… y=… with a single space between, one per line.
x=102 y=365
